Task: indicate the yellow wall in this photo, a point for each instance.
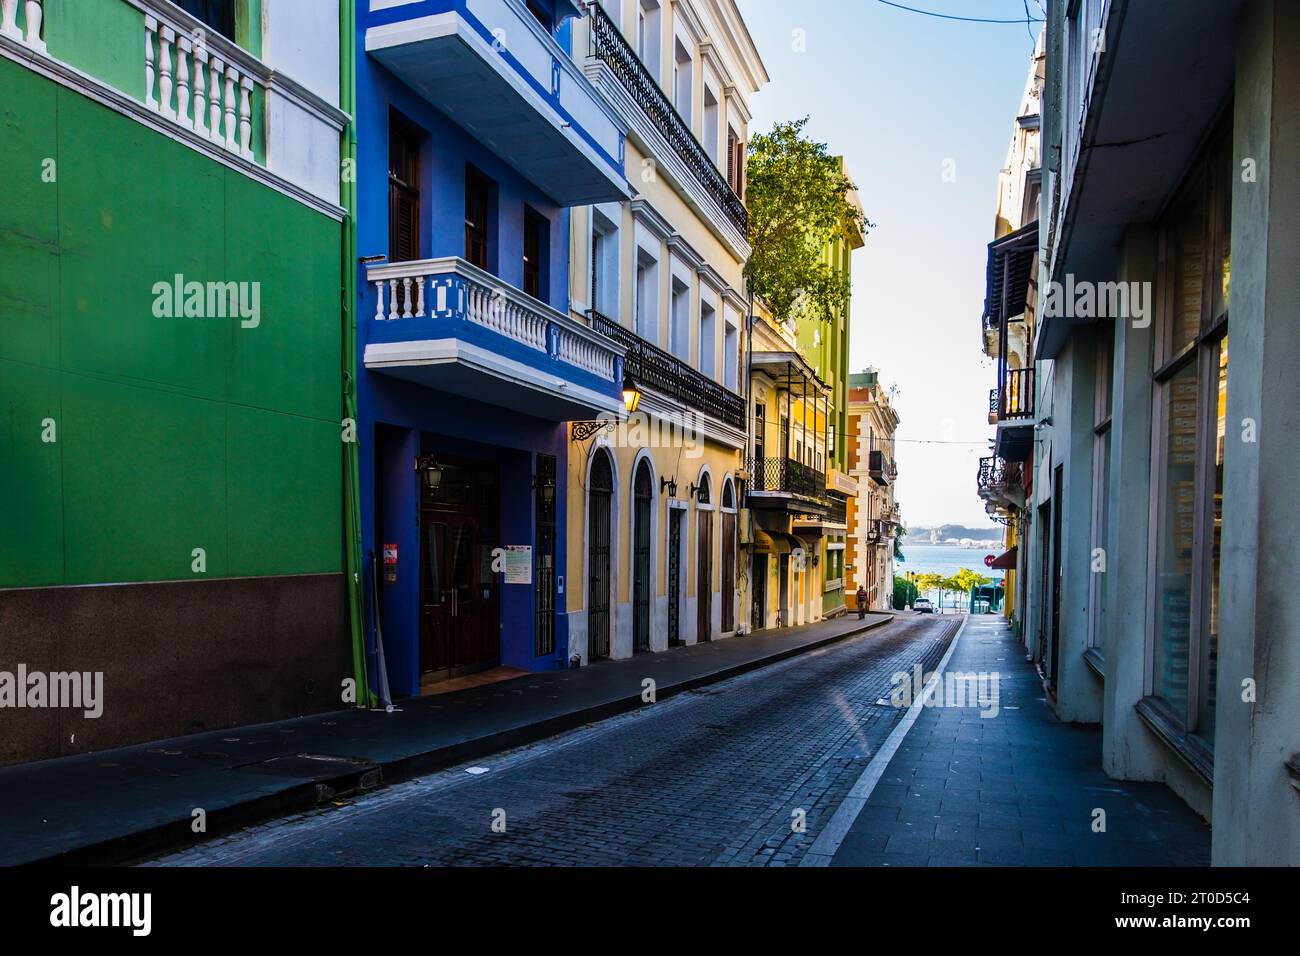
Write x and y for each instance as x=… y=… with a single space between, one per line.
x=721 y=463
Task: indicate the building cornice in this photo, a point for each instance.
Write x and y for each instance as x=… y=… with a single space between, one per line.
x=650 y=217
x=74 y=79
x=668 y=164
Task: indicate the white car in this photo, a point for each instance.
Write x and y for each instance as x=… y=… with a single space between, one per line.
x=923 y=606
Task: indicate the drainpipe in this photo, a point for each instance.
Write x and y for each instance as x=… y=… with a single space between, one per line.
x=749 y=391
x=351 y=470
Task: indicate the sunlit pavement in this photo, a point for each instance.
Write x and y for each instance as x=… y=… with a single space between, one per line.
x=1017 y=787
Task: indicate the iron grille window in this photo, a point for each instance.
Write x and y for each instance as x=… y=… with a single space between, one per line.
x=544 y=556
x=674 y=576
x=644 y=502
x=600 y=492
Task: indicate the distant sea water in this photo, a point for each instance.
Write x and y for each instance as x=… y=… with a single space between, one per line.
x=945 y=559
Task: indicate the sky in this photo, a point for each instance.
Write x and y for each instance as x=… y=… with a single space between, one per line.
x=898 y=95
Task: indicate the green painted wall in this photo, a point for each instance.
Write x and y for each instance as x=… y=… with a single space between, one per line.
x=105 y=39
x=172 y=433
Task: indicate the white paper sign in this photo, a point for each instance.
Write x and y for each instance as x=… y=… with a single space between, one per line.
x=519 y=564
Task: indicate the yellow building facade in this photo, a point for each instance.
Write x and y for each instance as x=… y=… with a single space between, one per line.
x=653 y=520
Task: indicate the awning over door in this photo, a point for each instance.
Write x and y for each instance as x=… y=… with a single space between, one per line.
x=1006 y=561
x=775 y=542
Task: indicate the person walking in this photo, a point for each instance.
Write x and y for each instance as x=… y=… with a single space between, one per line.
x=862 y=601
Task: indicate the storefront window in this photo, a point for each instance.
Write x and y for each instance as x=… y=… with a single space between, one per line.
x=1210 y=656
x=1176 y=544
x=1187 y=241
x=1101 y=496
x=1191 y=372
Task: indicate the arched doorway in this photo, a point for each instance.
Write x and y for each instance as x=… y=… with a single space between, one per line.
x=643 y=501
x=728 y=589
x=600 y=494
x=704 y=563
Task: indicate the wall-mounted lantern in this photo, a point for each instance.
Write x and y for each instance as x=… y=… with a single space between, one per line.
x=631 y=394
x=546 y=485
x=670 y=484
x=429 y=467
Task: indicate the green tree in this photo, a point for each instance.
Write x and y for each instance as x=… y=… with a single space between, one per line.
x=899 y=534
x=905 y=593
x=966 y=579
x=798 y=199
x=929 y=581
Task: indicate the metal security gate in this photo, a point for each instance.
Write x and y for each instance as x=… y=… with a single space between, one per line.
x=728 y=590
x=704 y=564
x=674 y=577
x=704 y=578
x=544 y=556
x=600 y=495
x=644 y=498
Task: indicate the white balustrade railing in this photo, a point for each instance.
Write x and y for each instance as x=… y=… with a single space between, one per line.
x=29 y=32
x=452 y=287
x=585 y=354
x=190 y=78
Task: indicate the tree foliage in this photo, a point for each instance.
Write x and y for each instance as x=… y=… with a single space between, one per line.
x=905 y=593
x=798 y=199
x=965 y=579
x=929 y=581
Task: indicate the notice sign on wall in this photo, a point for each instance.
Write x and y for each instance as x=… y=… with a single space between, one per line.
x=519 y=564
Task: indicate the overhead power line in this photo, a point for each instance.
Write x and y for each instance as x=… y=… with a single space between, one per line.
x=948 y=16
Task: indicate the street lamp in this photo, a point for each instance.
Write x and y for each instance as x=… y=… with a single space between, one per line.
x=547 y=487
x=631 y=394
x=432 y=471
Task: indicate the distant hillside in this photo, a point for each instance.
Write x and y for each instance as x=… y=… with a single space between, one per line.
x=918 y=535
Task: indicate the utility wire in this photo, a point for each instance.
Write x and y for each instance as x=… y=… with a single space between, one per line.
x=948 y=16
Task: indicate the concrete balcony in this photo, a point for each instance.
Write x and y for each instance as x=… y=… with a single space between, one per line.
x=494 y=69
x=1001 y=484
x=658 y=129
x=448 y=325
x=785 y=485
x=881 y=468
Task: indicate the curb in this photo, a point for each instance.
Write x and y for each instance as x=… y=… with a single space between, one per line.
x=361 y=778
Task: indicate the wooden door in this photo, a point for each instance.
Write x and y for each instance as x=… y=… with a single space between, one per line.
x=704 y=577
x=599 y=571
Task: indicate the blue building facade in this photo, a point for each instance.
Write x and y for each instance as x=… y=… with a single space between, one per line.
x=476 y=132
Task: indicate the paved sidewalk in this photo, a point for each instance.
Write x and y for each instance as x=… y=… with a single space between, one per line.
x=119 y=804
x=1020 y=788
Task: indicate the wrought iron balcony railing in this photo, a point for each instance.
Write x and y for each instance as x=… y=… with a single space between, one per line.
x=650 y=365
x=881 y=468
x=1015 y=397
x=997 y=474
x=609 y=45
x=787 y=475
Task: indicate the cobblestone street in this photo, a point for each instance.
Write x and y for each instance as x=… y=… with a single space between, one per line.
x=715 y=776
